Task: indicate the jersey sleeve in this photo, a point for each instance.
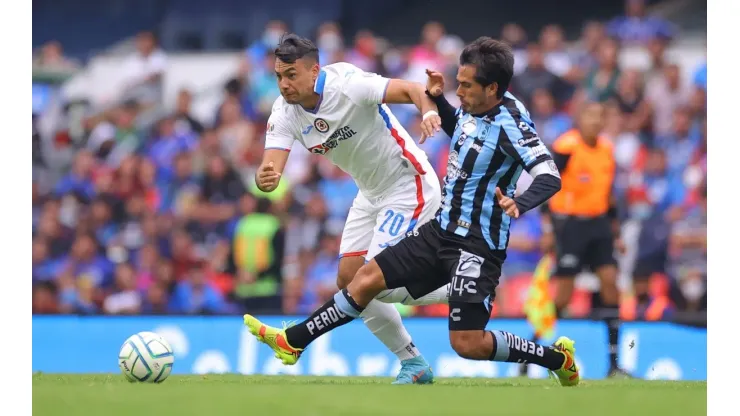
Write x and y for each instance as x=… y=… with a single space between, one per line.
x=366 y=88
x=519 y=140
x=277 y=134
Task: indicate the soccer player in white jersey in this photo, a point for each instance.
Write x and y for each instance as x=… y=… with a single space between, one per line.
x=340 y=112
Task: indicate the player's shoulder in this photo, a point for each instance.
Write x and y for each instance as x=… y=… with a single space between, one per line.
x=605 y=143
x=567 y=141
x=283 y=113
x=515 y=109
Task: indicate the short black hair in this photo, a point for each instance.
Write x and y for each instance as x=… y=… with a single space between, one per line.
x=493 y=60
x=293 y=47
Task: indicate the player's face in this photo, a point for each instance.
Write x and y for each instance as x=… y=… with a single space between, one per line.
x=296 y=80
x=474 y=98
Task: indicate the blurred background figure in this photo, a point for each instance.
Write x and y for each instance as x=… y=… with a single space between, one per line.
x=146 y=137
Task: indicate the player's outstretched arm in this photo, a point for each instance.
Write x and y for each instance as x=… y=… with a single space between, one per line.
x=269 y=173
x=400 y=91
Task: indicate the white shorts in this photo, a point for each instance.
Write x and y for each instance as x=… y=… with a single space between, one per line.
x=373 y=226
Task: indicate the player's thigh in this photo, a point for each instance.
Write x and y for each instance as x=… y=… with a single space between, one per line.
x=413 y=262
x=358 y=229
x=600 y=250
x=472 y=290
x=572 y=238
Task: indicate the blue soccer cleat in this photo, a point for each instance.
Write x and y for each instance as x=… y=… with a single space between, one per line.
x=415 y=371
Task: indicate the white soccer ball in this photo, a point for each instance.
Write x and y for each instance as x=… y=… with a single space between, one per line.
x=146 y=357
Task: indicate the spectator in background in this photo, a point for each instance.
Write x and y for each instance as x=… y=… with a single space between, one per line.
x=234 y=92
x=52 y=58
x=426 y=54
x=550 y=123
x=168 y=143
x=688 y=257
x=79 y=180
x=330 y=43
x=636 y=27
x=656 y=49
x=128 y=138
x=221 y=189
x=586 y=50
x=664 y=95
x=259 y=247
x=653 y=197
x=195 y=295
x=185 y=123
x=263 y=90
x=601 y=83
x=144 y=70
x=235 y=133
x=630 y=92
x=536 y=76
x=516 y=37
x=321 y=277
x=125 y=299
x=681 y=143
x=363 y=54
x=182 y=188
x=156 y=300
x=557 y=57
x=255 y=54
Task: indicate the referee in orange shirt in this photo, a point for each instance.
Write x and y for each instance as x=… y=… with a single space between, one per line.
x=584 y=220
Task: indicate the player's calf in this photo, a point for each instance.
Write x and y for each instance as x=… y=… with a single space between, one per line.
x=342 y=308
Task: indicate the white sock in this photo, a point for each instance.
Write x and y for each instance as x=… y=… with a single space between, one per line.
x=401 y=295
x=384 y=322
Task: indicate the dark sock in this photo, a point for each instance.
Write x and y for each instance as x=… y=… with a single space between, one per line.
x=511 y=348
x=338 y=311
x=613 y=326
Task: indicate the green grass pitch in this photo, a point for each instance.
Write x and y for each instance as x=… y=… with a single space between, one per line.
x=223 y=395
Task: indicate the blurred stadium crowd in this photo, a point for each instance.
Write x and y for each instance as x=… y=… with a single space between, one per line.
x=166 y=218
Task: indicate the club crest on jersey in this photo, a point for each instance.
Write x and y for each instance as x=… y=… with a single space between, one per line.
x=321 y=125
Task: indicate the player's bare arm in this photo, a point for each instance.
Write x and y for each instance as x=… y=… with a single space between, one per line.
x=435 y=91
x=406 y=92
x=269 y=172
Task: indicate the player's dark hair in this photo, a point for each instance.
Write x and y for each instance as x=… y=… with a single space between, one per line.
x=493 y=60
x=293 y=47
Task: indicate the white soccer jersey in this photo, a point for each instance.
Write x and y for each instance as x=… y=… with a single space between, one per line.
x=352 y=127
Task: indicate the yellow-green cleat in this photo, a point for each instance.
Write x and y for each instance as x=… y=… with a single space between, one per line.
x=568 y=373
x=275 y=338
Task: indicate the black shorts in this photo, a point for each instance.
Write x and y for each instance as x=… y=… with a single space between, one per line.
x=430 y=257
x=582 y=243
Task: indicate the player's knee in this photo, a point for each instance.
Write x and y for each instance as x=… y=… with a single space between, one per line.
x=343 y=279
x=367 y=282
x=466 y=343
x=348 y=267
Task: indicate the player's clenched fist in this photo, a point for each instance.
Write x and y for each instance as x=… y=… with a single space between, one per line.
x=267 y=178
x=507 y=204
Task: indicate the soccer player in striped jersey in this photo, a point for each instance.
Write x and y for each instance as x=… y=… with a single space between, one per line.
x=493 y=141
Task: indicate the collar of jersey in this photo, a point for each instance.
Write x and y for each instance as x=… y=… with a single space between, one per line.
x=318 y=88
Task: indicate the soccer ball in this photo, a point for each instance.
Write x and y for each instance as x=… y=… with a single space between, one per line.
x=146 y=357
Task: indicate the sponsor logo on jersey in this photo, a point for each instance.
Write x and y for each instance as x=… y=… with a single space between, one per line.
x=532 y=141
x=321 y=125
x=307 y=130
x=270 y=127
x=341 y=134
